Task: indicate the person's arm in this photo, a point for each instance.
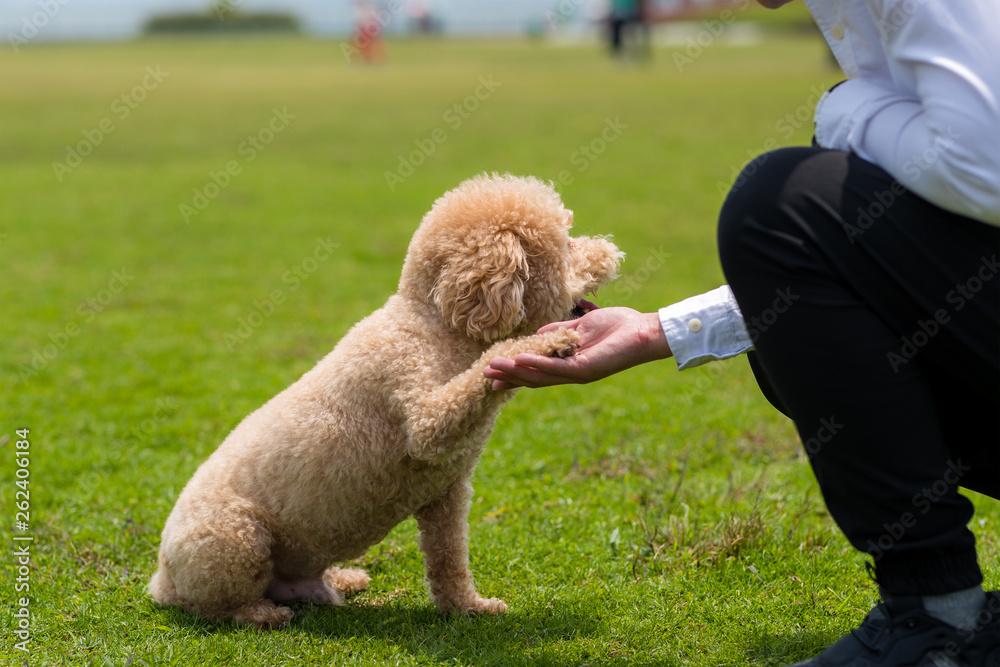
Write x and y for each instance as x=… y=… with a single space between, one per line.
x=942 y=140
x=694 y=331
x=611 y=340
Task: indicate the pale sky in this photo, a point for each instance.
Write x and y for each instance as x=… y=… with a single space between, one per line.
x=96 y=19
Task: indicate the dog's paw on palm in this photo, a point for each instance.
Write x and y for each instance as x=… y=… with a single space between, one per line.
x=561 y=343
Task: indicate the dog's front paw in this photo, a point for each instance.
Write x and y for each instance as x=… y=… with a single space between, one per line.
x=493 y=606
x=562 y=343
x=472 y=604
x=263 y=615
x=567 y=351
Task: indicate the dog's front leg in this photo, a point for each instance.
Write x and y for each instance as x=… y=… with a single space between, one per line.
x=439 y=415
x=444 y=539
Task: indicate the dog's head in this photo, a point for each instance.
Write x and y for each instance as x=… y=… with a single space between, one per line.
x=494 y=256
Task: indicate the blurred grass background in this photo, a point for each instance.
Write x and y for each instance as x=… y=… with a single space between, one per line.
x=655 y=518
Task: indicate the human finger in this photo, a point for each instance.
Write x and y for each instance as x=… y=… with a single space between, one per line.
x=553 y=326
x=505 y=374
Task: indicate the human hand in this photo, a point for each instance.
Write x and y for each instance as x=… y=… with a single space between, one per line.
x=611 y=340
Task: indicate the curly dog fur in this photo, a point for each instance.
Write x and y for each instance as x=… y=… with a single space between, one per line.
x=389 y=424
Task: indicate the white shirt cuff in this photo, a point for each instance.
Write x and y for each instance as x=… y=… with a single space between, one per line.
x=705 y=328
x=841 y=114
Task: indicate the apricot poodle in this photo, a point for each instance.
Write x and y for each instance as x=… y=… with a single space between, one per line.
x=389 y=424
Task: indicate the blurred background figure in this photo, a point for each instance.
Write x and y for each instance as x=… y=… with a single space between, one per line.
x=622 y=13
x=628 y=29
x=421 y=19
x=368 y=33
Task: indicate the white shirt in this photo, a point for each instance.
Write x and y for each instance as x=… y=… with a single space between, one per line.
x=922 y=101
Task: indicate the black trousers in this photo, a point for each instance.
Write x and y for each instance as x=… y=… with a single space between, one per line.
x=876 y=322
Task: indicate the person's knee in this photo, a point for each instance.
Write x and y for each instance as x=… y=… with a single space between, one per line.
x=766 y=198
x=751 y=201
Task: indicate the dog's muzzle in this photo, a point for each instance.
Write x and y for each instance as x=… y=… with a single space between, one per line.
x=582 y=308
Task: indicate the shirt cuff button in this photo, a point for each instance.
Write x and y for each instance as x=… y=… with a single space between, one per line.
x=694 y=325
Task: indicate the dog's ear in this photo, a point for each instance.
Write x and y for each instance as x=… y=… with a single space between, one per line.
x=482 y=293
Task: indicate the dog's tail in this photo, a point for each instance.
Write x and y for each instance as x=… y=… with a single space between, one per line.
x=162 y=589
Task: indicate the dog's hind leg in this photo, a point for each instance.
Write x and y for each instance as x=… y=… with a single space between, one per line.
x=314 y=589
x=328 y=588
x=263 y=614
x=346 y=580
x=218 y=564
x=444 y=539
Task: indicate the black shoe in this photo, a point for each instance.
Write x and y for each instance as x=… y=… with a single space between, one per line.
x=899 y=633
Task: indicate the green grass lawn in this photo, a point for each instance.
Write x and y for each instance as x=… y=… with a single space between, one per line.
x=233 y=217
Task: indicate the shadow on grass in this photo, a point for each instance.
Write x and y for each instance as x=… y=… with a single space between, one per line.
x=549 y=636
x=781 y=649
x=524 y=637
